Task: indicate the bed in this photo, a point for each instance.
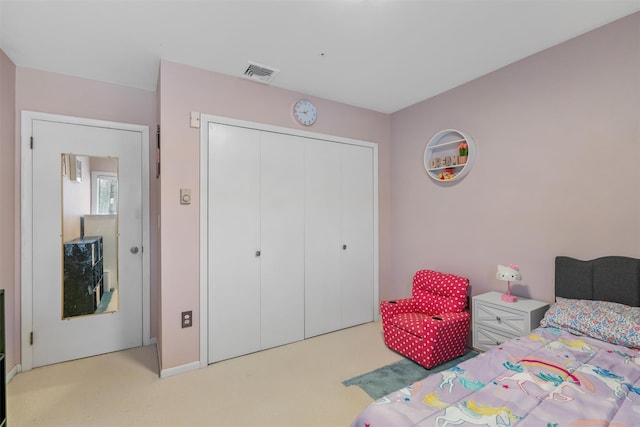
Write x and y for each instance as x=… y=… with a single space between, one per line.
x=581 y=367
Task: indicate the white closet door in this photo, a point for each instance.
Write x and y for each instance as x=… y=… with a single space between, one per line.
x=323 y=307
x=282 y=239
x=234 y=238
x=357 y=235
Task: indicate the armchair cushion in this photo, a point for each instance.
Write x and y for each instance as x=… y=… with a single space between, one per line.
x=414 y=323
x=422 y=325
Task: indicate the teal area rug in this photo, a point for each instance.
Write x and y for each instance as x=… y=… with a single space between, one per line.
x=397 y=375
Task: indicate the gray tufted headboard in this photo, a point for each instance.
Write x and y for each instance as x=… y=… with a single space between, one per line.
x=610 y=278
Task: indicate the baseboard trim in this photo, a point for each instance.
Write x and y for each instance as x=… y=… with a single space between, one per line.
x=165 y=373
x=13 y=372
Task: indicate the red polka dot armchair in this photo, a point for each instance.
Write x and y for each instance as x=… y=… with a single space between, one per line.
x=431 y=327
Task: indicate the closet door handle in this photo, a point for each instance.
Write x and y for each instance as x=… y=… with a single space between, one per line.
x=344 y=247
x=257 y=253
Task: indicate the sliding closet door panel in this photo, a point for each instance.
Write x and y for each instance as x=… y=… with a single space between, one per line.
x=282 y=237
x=323 y=307
x=357 y=235
x=234 y=239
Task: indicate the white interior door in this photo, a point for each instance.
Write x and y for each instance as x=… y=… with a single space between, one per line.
x=282 y=239
x=56 y=338
x=234 y=242
x=357 y=261
x=323 y=243
x=250 y=185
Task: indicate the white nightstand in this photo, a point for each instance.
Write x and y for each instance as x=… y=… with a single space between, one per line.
x=496 y=321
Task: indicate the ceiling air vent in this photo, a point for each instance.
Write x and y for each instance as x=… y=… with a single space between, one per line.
x=259 y=73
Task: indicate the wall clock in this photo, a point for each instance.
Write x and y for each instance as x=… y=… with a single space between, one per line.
x=305 y=112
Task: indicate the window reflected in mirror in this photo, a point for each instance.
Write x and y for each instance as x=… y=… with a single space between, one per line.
x=89 y=235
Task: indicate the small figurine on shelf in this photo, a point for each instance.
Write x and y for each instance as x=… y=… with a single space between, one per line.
x=446 y=175
x=463 y=152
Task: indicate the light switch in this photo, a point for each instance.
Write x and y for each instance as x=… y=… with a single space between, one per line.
x=194 y=119
x=185 y=196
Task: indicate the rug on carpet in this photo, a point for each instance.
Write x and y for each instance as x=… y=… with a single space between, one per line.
x=382 y=381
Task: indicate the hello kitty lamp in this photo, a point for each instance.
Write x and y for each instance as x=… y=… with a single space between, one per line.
x=507 y=274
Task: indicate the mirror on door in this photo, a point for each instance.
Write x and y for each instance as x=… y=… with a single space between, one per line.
x=89 y=235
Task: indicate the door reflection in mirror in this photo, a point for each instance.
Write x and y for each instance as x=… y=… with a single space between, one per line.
x=89 y=235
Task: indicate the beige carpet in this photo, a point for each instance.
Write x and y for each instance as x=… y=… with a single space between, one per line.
x=297 y=385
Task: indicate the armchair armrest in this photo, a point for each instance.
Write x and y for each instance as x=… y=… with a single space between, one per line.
x=449 y=323
x=388 y=309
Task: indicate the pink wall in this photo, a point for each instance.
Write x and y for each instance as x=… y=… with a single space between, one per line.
x=185 y=89
x=60 y=94
x=10 y=195
x=556 y=173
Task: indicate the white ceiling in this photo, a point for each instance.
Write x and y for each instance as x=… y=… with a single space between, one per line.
x=383 y=55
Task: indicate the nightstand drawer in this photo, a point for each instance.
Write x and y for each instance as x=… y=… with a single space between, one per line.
x=512 y=322
x=486 y=339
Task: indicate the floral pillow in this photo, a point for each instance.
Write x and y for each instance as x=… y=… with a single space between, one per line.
x=606 y=321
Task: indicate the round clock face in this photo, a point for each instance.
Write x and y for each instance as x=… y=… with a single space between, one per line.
x=305 y=112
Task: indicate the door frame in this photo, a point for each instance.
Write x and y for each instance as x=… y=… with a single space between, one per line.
x=26 y=226
x=205 y=119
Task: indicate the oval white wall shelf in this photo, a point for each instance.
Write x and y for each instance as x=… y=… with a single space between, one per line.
x=441 y=156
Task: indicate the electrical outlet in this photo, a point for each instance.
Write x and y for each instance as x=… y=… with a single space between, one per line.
x=187 y=319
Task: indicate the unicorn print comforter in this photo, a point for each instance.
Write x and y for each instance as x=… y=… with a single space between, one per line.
x=550 y=378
